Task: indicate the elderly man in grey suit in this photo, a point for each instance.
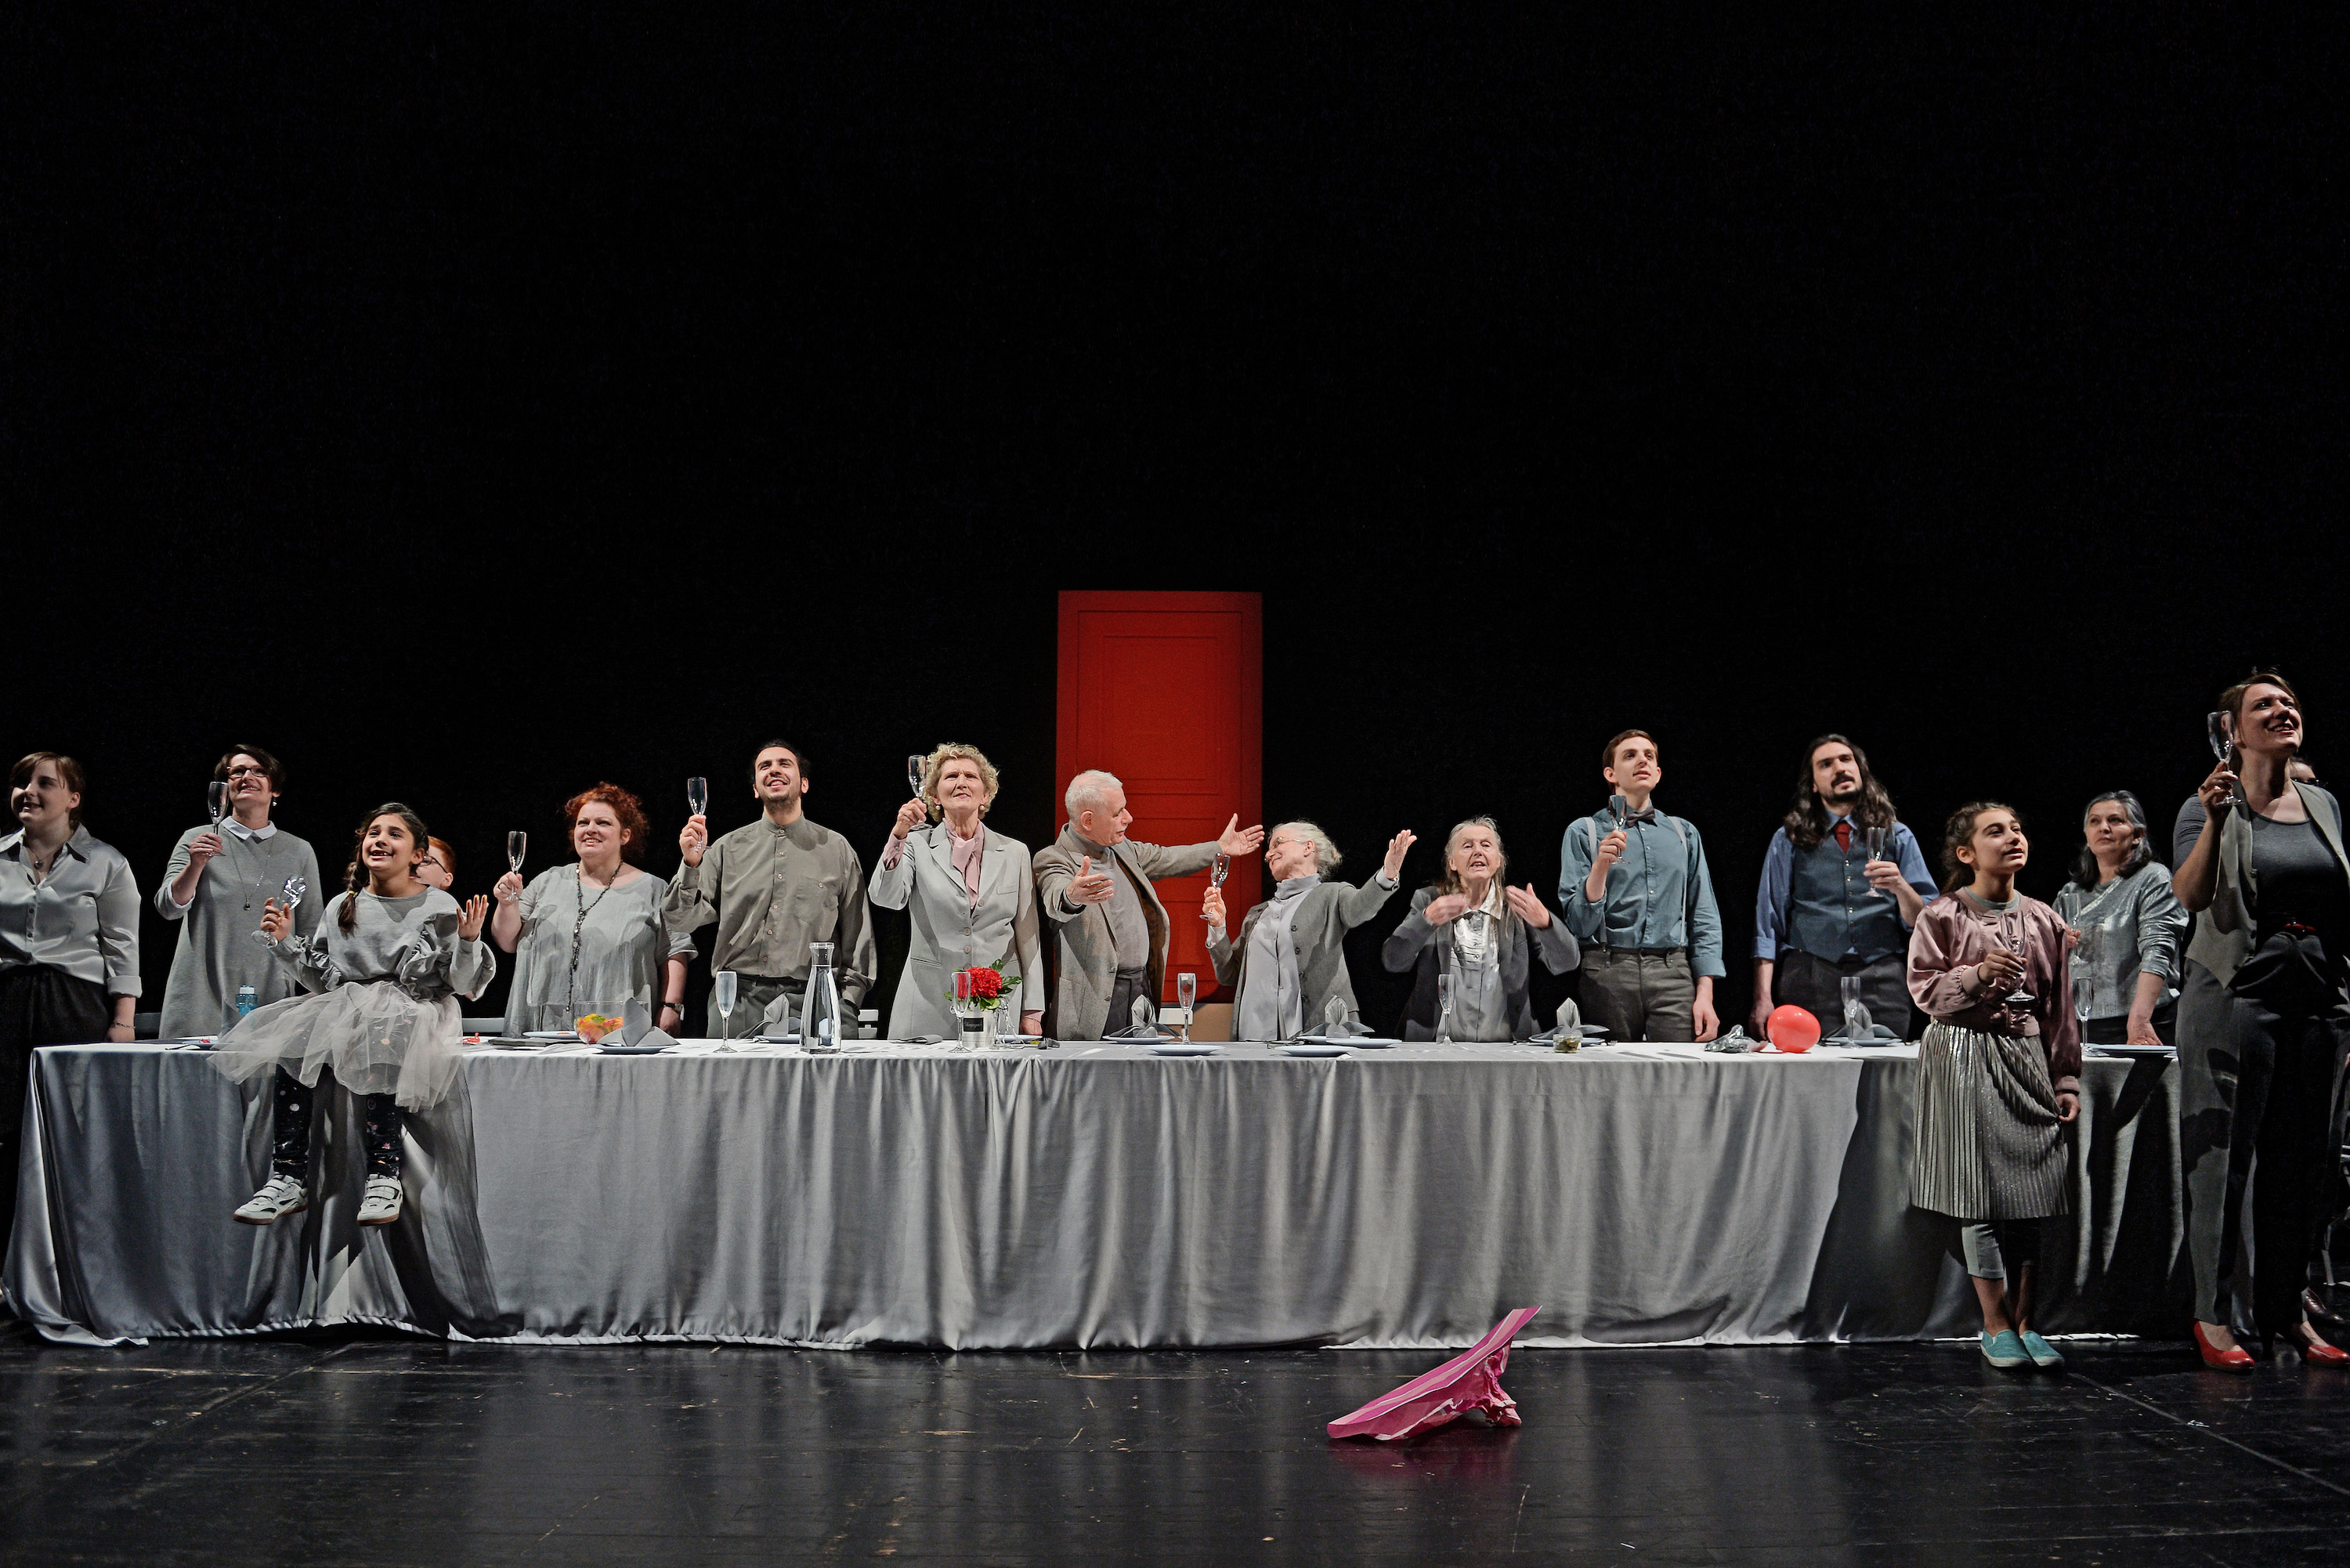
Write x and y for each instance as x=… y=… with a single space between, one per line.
x=1291 y=961
x=1093 y=884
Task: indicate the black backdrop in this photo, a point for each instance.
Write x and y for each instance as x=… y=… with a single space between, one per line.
x=469 y=407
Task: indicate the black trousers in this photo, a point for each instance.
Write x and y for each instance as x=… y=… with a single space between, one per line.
x=1815 y=985
x=290 y=1152
x=39 y=1005
x=2259 y=1082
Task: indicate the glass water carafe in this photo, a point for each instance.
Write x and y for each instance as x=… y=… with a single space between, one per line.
x=820 y=1012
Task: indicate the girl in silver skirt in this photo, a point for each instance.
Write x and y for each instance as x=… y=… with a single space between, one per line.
x=1999 y=1070
x=379 y=983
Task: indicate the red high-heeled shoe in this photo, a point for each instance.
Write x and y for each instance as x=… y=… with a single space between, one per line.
x=2235 y=1358
x=2315 y=1350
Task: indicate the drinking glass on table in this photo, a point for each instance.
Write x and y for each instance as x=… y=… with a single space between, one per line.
x=697 y=797
x=1187 y=991
x=1445 y=1008
x=723 y=992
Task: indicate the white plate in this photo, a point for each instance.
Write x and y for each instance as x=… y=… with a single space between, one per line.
x=1312 y=1048
x=2132 y=1051
x=551 y=1034
x=1357 y=1043
x=1185 y=1048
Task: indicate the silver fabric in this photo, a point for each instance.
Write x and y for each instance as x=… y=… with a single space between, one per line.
x=216 y=952
x=1988 y=1144
x=1102 y=1196
x=82 y=918
x=2140 y=928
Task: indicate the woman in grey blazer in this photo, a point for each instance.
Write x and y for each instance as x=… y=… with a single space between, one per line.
x=1473 y=926
x=970 y=893
x=1291 y=960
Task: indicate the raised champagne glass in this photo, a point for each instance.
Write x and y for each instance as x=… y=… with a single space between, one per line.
x=517 y=842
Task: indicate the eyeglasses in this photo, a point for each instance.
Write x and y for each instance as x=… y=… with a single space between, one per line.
x=248 y=772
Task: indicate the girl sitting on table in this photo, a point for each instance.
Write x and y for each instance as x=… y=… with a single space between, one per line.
x=380 y=982
x=589 y=935
x=1291 y=961
x=1471 y=924
x=1999 y=1070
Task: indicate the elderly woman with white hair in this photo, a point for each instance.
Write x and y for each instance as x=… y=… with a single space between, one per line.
x=972 y=900
x=1094 y=885
x=1291 y=961
x=1471 y=925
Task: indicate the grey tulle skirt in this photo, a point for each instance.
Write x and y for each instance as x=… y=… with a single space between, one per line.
x=373 y=1035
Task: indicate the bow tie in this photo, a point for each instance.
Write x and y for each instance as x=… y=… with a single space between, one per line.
x=1647 y=816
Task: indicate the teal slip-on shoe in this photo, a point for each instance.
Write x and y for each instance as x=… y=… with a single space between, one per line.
x=2004 y=1351
x=2043 y=1354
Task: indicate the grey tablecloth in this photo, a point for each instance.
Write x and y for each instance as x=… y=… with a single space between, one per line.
x=1090 y=1196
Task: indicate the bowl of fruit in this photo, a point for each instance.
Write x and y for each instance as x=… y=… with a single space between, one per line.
x=596 y=1025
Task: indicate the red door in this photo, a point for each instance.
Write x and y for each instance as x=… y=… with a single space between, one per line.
x=1166 y=690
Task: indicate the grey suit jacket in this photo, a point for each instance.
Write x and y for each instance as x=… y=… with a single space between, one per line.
x=1318 y=932
x=1417 y=946
x=1084 y=958
x=2223 y=933
x=949 y=935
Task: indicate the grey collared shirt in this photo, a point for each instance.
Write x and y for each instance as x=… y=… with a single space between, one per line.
x=83 y=918
x=773 y=890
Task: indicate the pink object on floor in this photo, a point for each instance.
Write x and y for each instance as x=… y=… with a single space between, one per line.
x=1470 y=1381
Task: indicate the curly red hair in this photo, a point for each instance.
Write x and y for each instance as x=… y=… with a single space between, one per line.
x=626 y=806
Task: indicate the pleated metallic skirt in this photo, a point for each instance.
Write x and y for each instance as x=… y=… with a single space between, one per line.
x=1988 y=1144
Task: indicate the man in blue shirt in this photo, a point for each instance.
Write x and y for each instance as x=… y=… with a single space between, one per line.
x=1826 y=910
x=1640 y=899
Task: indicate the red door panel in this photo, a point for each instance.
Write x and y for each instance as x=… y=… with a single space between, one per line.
x=1165 y=690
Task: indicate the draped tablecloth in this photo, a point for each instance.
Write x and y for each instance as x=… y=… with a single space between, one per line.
x=1093 y=1196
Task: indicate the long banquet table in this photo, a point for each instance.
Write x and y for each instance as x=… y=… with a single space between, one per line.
x=1089 y=1194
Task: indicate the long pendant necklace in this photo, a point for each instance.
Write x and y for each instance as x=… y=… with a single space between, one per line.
x=579 y=897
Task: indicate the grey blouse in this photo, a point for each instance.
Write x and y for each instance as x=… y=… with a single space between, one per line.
x=412 y=941
x=2139 y=927
x=621 y=945
x=216 y=952
x=83 y=918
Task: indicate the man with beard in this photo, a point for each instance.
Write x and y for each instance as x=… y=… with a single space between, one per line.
x=1826 y=910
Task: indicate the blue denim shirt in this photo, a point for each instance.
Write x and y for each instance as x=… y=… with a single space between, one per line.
x=1774 y=899
x=1660 y=895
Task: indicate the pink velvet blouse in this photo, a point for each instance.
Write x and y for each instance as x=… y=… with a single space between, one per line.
x=1954 y=934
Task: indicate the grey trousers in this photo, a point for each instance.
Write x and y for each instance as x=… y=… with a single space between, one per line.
x=1814 y=984
x=1638 y=995
x=753 y=994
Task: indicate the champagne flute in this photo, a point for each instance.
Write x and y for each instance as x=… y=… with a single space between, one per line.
x=697 y=797
x=296 y=887
x=2222 y=733
x=2010 y=933
x=914 y=770
x=1619 y=813
x=1445 y=1008
x=216 y=801
x=1219 y=868
x=516 y=842
x=1876 y=842
x=723 y=992
x=1187 y=991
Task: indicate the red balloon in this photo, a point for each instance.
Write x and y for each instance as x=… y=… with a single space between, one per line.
x=1792 y=1028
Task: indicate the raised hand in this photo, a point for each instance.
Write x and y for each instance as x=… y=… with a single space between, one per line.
x=276 y=921
x=2003 y=970
x=2217 y=791
x=508 y=887
x=1883 y=874
x=1529 y=906
x=693 y=839
x=1238 y=840
x=910 y=815
x=1090 y=885
x=1444 y=909
x=1211 y=907
x=202 y=847
x=1396 y=848
x=1611 y=848
x=470 y=917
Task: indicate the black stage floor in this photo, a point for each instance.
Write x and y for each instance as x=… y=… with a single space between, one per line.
x=391 y=1450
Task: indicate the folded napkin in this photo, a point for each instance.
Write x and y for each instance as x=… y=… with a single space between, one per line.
x=1138 y=1032
x=1344 y=1029
x=656 y=1037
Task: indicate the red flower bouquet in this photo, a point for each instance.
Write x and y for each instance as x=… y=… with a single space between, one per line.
x=988 y=985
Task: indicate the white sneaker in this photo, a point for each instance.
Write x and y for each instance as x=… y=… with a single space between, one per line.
x=381 y=1205
x=279 y=1196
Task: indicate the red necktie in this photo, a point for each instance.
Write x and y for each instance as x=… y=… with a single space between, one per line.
x=1844 y=834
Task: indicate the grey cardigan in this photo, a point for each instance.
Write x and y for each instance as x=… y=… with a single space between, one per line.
x=1413 y=945
x=949 y=935
x=1318 y=932
x=2223 y=933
